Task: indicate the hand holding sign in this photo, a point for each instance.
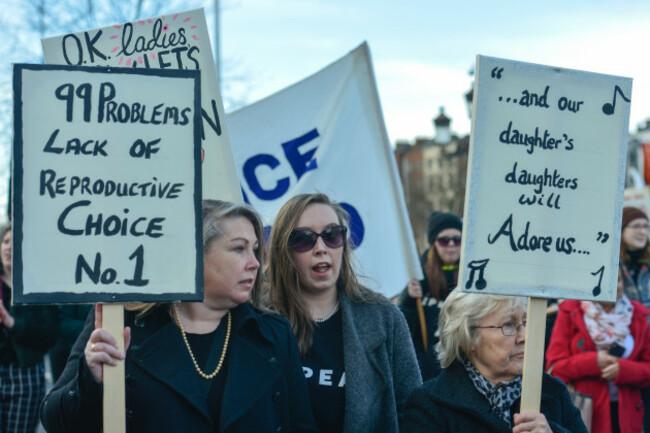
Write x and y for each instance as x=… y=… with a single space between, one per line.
x=102 y=348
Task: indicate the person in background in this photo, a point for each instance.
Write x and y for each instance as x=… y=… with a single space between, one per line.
x=72 y=319
x=440 y=269
x=635 y=263
x=357 y=355
x=481 y=351
x=220 y=365
x=635 y=255
x=603 y=350
x=26 y=334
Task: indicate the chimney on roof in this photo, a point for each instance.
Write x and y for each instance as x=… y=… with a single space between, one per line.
x=441 y=124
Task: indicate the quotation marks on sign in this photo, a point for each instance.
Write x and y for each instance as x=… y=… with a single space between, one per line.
x=608 y=108
x=496 y=73
x=602 y=237
x=474 y=266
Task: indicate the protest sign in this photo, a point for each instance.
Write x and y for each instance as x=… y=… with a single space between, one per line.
x=107 y=185
x=545 y=181
x=327 y=134
x=177 y=41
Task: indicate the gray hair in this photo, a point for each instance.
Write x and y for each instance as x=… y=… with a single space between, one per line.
x=461 y=313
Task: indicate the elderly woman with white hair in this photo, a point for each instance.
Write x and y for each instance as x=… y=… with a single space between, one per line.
x=481 y=351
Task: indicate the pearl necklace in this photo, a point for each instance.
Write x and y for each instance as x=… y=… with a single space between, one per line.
x=322 y=319
x=187 y=344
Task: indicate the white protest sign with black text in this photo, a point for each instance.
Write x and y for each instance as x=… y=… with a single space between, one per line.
x=176 y=41
x=107 y=185
x=545 y=181
x=326 y=134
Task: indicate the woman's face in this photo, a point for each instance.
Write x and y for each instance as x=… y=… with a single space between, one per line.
x=500 y=358
x=449 y=254
x=635 y=235
x=5 y=250
x=230 y=265
x=318 y=268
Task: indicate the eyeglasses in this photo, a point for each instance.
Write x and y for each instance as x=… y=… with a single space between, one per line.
x=508 y=329
x=304 y=240
x=443 y=241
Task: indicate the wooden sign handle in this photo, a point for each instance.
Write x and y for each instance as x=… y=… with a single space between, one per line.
x=423 y=324
x=114 y=389
x=531 y=386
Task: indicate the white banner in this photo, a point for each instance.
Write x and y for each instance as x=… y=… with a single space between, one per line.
x=176 y=41
x=327 y=134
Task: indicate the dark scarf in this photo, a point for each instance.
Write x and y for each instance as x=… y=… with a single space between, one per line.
x=501 y=396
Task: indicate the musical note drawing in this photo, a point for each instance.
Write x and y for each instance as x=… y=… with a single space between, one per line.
x=600 y=271
x=477 y=265
x=609 y=108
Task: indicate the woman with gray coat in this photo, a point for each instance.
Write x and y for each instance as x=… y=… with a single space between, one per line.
x=355 y=346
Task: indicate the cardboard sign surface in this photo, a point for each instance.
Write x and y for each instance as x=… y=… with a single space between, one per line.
x=545 y=181
x=107 y=185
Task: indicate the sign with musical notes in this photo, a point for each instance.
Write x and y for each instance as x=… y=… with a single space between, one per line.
x=106 y=177
x=545 y=181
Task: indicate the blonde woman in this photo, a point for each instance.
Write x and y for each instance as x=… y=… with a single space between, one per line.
x=221 y=365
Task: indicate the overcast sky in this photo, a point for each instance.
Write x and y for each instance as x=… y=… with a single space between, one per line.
x=423 y=49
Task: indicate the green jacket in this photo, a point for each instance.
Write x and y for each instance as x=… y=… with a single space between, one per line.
x=35 y=331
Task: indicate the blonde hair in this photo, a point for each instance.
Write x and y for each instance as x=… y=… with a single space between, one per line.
x=461 y=313
x=282 y=273
x=215 y=212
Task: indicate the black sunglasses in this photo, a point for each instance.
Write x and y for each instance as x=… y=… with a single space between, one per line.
x=443 y=241
x=304 y=240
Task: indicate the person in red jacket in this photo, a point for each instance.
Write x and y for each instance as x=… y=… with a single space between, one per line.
x=603 y=350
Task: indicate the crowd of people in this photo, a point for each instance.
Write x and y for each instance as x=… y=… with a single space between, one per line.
x=287 y=338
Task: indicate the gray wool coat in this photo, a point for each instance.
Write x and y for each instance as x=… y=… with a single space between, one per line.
x=381 y=369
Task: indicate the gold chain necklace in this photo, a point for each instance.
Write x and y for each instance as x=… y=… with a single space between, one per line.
x=187 y=344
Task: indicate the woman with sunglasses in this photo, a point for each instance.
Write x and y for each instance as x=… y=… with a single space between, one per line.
x=440 y=269
x=357 y=356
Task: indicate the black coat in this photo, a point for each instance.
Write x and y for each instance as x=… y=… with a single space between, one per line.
x=265 y=389
x=450 y=403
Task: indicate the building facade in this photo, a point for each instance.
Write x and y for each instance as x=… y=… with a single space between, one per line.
x=433 y=172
